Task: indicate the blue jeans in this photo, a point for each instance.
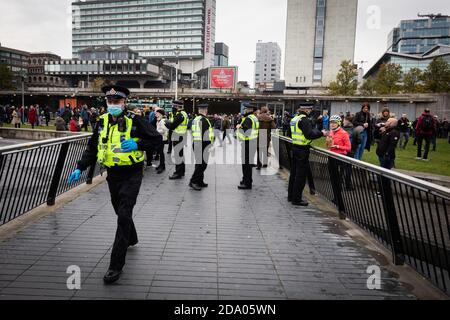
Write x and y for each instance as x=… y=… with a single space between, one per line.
x=386 y=163
x=362 y=146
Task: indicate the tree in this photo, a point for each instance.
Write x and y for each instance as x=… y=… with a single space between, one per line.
x=412 y=81
x=98 y=83
x=388 y=79
x=346 y=80
x=6 y=77
x=368 y=87
x=436 y=77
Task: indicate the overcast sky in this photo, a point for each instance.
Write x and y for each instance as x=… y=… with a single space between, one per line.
x=44 y=25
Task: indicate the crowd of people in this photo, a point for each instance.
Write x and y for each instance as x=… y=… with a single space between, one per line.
x=18 y=116
x=384 y=132
x=364 y=128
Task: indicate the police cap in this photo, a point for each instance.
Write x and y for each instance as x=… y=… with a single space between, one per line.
x=116 y=92
x=178 y=103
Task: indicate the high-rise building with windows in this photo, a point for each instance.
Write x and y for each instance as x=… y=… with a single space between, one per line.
x=153 y=28
x=320 y=35
x=268 y=62
x=16 y=61
x=420 y=35
x=221 y=55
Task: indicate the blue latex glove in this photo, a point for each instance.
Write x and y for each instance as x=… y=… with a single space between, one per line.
x=75 y=176
x=129 y=145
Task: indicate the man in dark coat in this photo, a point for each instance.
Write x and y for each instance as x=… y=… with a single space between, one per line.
x=425 y=130
x=388 y=143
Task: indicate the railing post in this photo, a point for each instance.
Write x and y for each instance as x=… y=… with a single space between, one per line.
x=90 y=175
x=336 y=186
x=51 y=197
x=392 y=221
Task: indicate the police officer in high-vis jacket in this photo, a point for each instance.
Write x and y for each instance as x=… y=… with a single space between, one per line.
x=118 y=141
x=179 y=129
x=302 y=132
x=248 y=136
x=203 y=137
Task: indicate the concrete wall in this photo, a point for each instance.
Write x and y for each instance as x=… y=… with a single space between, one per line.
x=441 y=107
x=340 y=35
x=300 y=34
x=397 y=108
x=30 y=134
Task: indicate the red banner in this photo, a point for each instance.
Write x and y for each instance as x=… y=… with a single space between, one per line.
x=222 y=78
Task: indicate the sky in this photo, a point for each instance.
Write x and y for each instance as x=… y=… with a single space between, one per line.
x=45 y=25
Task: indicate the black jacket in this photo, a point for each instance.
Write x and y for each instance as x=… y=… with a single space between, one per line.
x=403 y=125
x=388 y=143
x=149 y=138
x=355 y=138
x=307 y=128
x=359 y=120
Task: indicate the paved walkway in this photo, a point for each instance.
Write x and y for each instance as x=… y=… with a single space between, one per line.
x=221 y=243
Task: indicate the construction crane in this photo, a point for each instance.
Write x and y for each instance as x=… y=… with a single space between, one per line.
x=432 y=16
x=362 y=62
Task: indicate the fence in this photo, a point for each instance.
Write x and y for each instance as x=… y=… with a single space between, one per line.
x=35 y=173
x=409 y=216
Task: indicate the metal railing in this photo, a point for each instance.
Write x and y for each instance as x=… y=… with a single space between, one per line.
x=407 y=215
x=32 y=174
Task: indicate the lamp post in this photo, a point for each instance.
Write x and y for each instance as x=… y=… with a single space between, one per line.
x=177 y=54
x=254 y=72
x=22 y=78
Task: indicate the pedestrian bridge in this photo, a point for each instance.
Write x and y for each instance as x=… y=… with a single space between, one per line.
x=220 y=243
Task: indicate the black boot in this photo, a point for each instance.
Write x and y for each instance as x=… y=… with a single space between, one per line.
x=300 y=203
x=112 y=276
x=160 y=169
x=195 y=186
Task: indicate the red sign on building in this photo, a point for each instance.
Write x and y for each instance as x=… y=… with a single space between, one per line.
x=222 y=77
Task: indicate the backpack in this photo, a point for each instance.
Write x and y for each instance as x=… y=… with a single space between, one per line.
x=427 y=124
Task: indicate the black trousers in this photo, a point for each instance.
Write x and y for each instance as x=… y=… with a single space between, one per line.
x=248 y=150
x=300 y=170
x=169 y=141
x=162 y=158
x=201 y=162
x=180 y=168
x=427 y=146
x=124 y=188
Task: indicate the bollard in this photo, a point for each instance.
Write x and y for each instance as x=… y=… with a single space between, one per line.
x=392 y=222
x=51 y=197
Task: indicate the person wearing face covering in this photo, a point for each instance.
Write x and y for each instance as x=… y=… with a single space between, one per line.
x=118 y=142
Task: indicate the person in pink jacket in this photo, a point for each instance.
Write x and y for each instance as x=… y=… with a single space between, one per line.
x=338 y=140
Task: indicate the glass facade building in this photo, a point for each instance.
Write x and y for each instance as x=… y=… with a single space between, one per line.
x=153 y=28
x=409 y=61
x=419 y=35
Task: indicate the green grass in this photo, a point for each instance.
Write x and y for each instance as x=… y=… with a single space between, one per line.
x=439 y=161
